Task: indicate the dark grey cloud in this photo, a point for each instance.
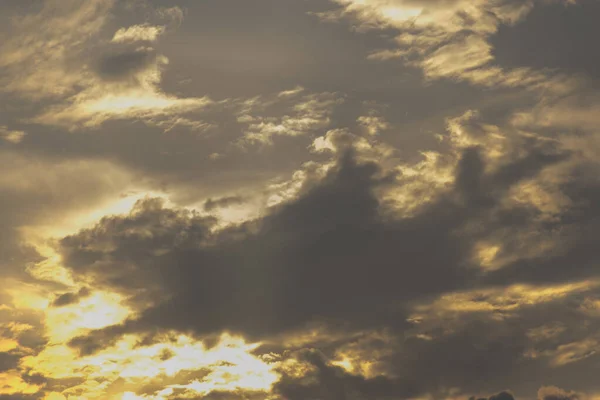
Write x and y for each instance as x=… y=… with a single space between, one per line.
x=334 y=254
x=222 y=395
x=327 y=381
x=65 y=299
x=284 y=275
x=45 y=196
x=212 y=204
x=124 y=65
x=499 y=396
x=8 y=361
x=555 y=393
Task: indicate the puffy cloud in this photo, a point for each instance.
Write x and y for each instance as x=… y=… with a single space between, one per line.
x=272 y=277
x=499 y=396
x=172 y=265
x=373 y=122
x=554 y=393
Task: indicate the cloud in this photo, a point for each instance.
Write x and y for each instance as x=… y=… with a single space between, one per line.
x=13 y=385
x=373 y=122
x=338 y=259
x=11 y=136
x=499 y=396
x=177 y=366
x=212 y=204
x=135 y=33
x=172 y=14
x=554 y=393
x=69 y=298
x=291 y=113
x=38 y=197
x=140 y=100
x=130 y=64
x=277 y=275
x=449 y=39
x=257 y=297
x=323 y=380
x=126 y=87
x=51 y=55
x=578 y=112
x=36 y=57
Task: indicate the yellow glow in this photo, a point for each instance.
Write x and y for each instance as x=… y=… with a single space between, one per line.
x=12 y=383
x=11 y=136
x=63 y=323
x=486 y=255
x=26 y=296
x=251 y=208
x=8 y=345
x=16 y=327
x=50 y=268
x=501 y=299
x=576 y=351
x=545 y=332
x=120 y=206
x=97 y=311
x=93 y=108
x=345 y=363
x=123 y=104
x=591 y=307
x=230 y=363
x=132 y=396
x=55 y=396
x=399 y=14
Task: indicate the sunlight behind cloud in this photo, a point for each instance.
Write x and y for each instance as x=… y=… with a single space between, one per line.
x=400 y=13
x=504 y=300
x=11 y=383
x=228 y=366
x=93 y=111
x=99 y=310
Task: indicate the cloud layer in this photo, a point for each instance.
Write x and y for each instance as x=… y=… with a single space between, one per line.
x=328 y=199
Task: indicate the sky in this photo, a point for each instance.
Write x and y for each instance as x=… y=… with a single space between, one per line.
x=299 y=200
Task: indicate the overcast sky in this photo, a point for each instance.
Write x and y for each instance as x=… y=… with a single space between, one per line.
x=299 y=199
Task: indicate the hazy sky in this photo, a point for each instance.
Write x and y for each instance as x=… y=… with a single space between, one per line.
x=299 y=199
